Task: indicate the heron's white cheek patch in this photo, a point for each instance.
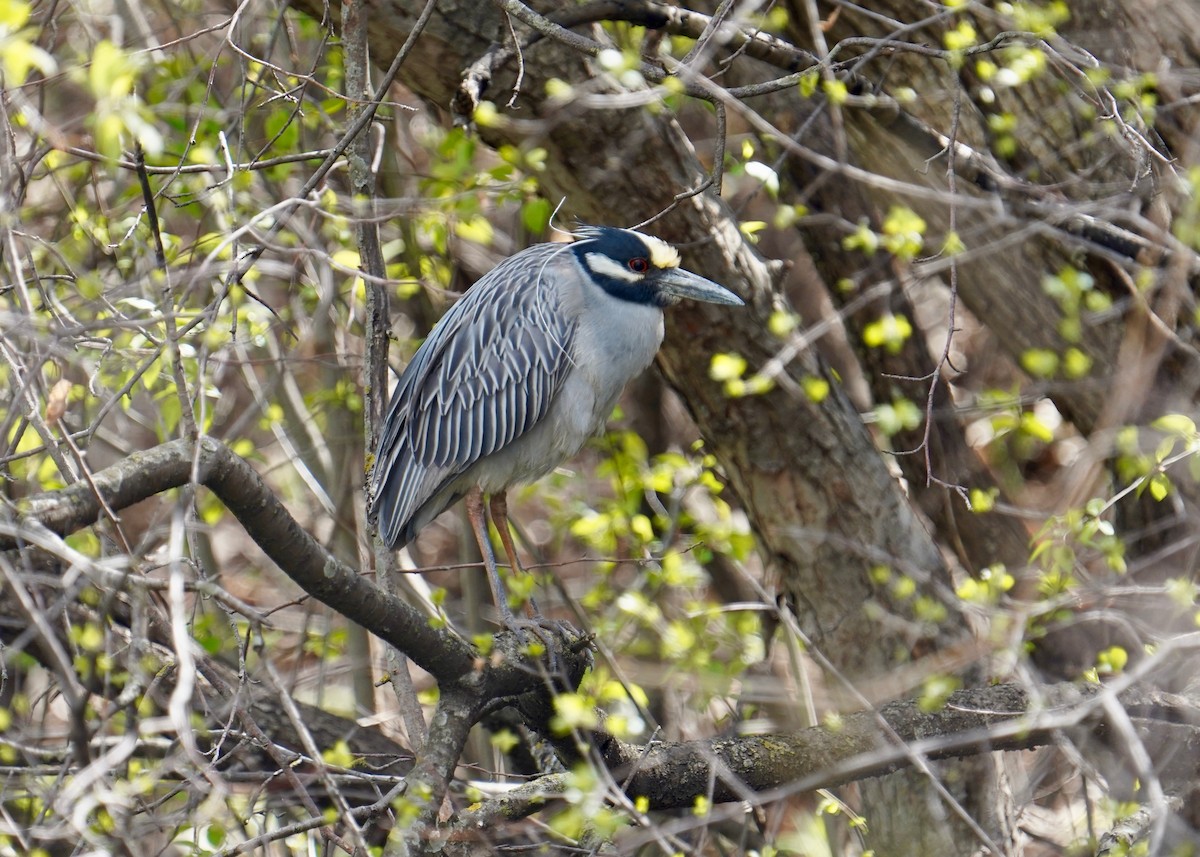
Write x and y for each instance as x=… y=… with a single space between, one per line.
x=601 y=264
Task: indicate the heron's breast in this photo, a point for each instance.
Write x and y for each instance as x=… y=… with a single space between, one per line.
x=603 y=362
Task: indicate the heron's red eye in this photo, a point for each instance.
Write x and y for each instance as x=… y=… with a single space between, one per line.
x=639 y=265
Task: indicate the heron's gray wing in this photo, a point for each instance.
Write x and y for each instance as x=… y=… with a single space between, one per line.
x=496 y=378
x=486 y=375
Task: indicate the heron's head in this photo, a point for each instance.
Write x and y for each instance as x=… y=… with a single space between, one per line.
x=642 y=269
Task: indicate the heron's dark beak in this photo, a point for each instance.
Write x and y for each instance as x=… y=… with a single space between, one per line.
x=684 y=284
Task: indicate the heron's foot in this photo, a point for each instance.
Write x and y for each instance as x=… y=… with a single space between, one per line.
x=557 y=639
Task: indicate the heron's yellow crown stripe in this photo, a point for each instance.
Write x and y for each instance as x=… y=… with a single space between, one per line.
x=662 y=254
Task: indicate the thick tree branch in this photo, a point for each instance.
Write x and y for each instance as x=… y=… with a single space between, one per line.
x=655 y=16
x=679 y=21
x=1004 y=717
x=440 y=652
x=980 y=720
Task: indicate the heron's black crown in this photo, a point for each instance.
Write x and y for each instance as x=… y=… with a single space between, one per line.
x=626 y=264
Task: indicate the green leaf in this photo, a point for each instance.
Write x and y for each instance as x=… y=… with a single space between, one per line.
x=339 y=755
x=1112 y=660
x=112 y=72
x=1165 y=447
x=782 y=322
x=936 y=691
x=726 y=367
x=504 y=740
x=889 y=331
x=1076 y=364
x=1176 y=424
x=1159 y=487
x=1039 y=362
x=953 y=245
x=808 y=82
x=904 y=232
x=1182 y=592
x=558 y=89
x=535 y=215
x=487 y=116
x=961 y=37
x=282 y=131
x=573 y=711
x=13 y=15
x=19 y=57
x=836 y=91
x=983 y=501
x=476 y=229
x=864 y=238
x=786 y=215
x=1034 y=427
x=815 y=388
x=751 y=228
x=898 y=416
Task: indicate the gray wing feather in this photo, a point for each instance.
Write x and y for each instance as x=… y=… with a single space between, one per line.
x=486 y=375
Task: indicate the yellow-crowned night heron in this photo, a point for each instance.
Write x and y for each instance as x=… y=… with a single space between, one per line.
x=519 y=374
